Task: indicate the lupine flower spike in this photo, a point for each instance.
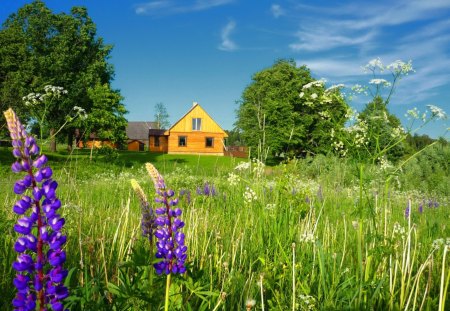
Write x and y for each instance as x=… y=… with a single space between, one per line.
x=170 y=244
x=148 y=214
x=39 y=264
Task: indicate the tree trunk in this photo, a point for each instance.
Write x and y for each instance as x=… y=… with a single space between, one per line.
x=52 y=140
x=69 y=141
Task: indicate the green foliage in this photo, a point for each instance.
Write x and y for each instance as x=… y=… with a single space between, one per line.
x=106 y=118
x=273 y=116
x=236 y=248
x=38 y=48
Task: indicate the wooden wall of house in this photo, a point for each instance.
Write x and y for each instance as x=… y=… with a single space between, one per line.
x=196 y=143
x=163 y=144
x=185 y=123
x=135 y=145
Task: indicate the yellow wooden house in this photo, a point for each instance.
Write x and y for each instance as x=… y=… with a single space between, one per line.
x=195 y=133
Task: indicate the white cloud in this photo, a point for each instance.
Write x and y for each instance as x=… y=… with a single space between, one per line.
x=320 y=39
x=168 y=7
x=227 y=44
x=277 y=10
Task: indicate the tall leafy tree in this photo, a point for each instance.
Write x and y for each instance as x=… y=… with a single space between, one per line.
x=106 y=118
x=274 y=118
x=38 y=47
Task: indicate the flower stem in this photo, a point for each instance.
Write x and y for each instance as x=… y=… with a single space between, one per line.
x=166 y=302
x=40 y=244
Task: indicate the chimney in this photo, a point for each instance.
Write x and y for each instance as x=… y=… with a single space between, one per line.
x=194 y=104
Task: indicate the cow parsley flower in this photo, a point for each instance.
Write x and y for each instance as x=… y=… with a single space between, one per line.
x=381 y=82
x=437 y=112
x=39 y=264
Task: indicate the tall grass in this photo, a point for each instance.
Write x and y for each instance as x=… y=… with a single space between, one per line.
x=311 y=239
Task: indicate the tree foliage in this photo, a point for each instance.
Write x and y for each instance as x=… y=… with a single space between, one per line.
x=273 y=116
x=38 y=48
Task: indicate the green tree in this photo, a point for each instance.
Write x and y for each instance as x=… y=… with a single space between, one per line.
x=106 y=118
x=161 y=116
x=38 y=48
x=275 y=119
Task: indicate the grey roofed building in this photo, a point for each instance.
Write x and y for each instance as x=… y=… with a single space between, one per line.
x=139 y=130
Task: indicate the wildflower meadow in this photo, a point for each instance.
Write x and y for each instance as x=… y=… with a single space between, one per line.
x=218 y=233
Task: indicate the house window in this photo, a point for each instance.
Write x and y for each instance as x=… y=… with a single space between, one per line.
x=209 y=142
x=156 y=141
x=182 y=141
x=196 y=124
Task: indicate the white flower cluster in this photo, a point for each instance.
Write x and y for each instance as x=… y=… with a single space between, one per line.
x=309 y=301
x=437 y=112
x=242 y=166
x=398 y=230
x=334 y=87
x=33 y=99
x=381 y=82
x=384 y=164
x=258 y=167
x=373 y=65
x=249 y=195
x=307 y=237
x=359 y=89
x=233 y=179
x=400 y=67
x=80 y=112
x=317 y=83
x=398 y=132
x=56 y=91
x=438 y=243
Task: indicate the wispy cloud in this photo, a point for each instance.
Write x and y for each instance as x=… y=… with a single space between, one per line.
x=277 y=10
x=227 y=44
x=170 y=7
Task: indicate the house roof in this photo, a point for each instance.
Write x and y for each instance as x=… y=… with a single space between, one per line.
x=139 y=129
x=156 y=132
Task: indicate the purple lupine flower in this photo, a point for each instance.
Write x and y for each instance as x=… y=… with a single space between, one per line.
x=408 y=210
x=208 y=190
x=148 y=214
x=170 y=244
x=187 y=195
x=39 y=226
x=421 y=208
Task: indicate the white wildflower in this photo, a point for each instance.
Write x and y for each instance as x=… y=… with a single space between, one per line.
x=334 y=87
x=382 y=82
x=373 y=65
x=307 y=237
x=317 y=83
x=412 y=113
x=437 y=112
x=400 y=67
x=233 y=179
x=301 y=94
x=242 y=166
x=249 y=195
x=313 y=95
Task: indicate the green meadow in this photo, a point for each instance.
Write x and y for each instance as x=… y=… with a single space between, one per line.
x=319 y=233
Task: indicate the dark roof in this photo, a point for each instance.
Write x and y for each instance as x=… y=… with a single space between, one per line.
x=139 y=130
x=156 y=132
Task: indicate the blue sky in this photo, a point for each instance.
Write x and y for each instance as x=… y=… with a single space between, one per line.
x=180 y=51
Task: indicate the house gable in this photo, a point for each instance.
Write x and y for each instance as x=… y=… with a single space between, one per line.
x=208 y=125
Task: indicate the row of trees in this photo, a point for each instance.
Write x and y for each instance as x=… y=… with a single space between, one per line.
x=39 y=48
x=284 y=111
